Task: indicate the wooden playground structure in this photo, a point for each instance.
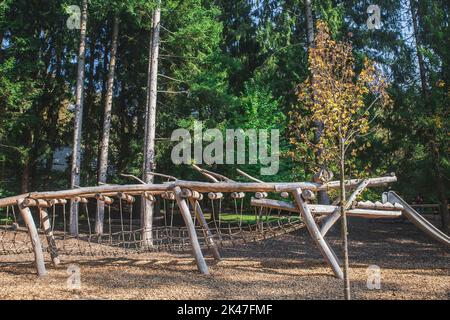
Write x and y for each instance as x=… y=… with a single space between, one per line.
x=290 y=207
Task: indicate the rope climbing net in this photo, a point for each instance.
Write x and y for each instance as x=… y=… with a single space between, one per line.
x=228 y=219
x=187 y=215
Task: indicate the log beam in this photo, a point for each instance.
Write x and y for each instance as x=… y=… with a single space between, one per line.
x=196 y=250
x=322 y=209
x=201 y=187
x=34 y=237
x=311 y=225
x=49 y=236
x=206 y=231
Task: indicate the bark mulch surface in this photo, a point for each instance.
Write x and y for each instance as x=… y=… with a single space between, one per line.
x=288 y=267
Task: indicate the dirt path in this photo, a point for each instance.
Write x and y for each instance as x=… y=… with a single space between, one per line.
x=290 y=267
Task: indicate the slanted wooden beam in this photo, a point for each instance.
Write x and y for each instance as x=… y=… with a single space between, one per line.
x=34 y=237
x=217 y=176
x=206 y=231
x=196 y=250
x=49 y=236
x=308 y=219
x=258 y=195
x=331 y=220
x=204 y=173
x=244 y=174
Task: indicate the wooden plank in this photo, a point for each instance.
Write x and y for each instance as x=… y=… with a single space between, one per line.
x=34 y=237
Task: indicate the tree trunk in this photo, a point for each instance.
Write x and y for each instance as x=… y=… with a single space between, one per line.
x=89 y=115
x=1 y=46
x=101 y=115
x=25 y=179
x=445 y=219
x=344 y=230
x=103 y=160
x=423 y=77
x=150 y=125
x=309 y=23
x=76 y=153
x=54 y=108
x=322 y=196
x=434 y=148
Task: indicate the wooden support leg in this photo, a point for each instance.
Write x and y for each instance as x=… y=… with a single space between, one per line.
x=201 y=264
x=99 y=217
x=34 y=236
x=73 y=218
x=336 y=215
x=308 y=218
x=208 y=235
x=147 y=222
x=49 y=235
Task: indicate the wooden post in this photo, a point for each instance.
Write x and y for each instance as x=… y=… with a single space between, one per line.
x=49 y=235
x=196 y=250
x=308 y=218
x=34 y=237
x=208 y=235
x=100 y=215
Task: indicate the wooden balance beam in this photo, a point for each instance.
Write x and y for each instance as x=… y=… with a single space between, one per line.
x=326 y=209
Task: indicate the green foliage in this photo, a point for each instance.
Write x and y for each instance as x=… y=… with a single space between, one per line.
x=234 y=63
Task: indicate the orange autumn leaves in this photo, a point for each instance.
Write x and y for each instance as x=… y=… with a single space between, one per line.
x=336 y=98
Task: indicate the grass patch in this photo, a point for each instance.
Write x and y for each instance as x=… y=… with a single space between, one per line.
x=252 y=219
x=5 y=220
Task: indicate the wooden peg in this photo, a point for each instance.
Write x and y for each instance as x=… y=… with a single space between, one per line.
x=105 y=199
